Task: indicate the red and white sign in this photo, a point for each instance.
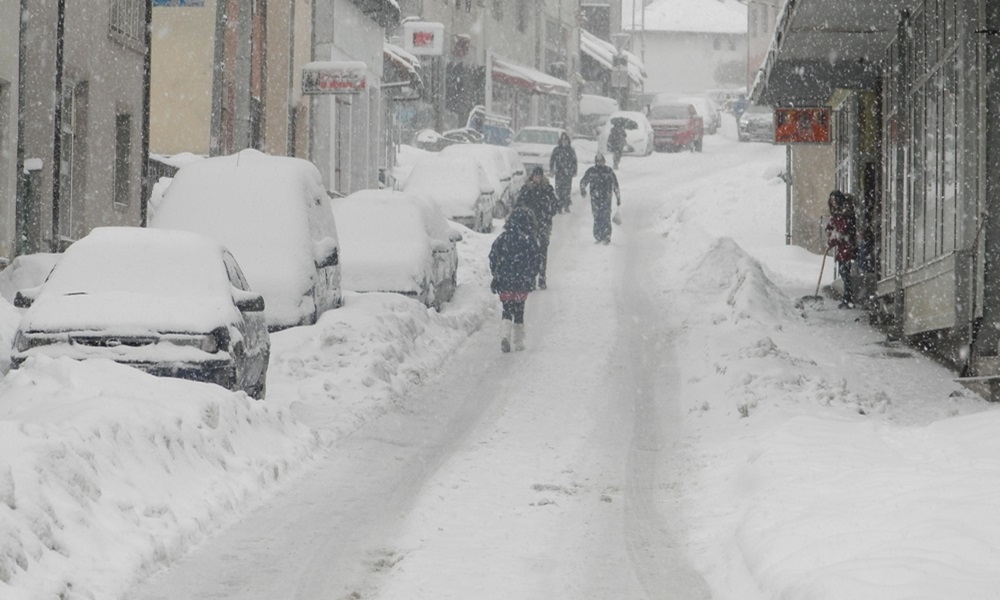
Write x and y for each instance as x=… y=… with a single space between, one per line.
x=423 y=38
x=345 y=77
x=802 y=125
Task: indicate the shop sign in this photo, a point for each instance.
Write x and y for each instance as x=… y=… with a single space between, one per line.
x=802 y=125
x=423 y=38
x=346 y=77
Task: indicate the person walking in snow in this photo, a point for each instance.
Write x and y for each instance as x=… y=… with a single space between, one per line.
x=603 y=183
x=841 y=232
x=515 y=258
x=563 y=165
x=538 y=196
x=617 y=140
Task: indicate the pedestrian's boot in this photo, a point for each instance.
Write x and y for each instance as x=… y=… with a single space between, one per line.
x=505 y=331
x=541 y=282
x=518 y=335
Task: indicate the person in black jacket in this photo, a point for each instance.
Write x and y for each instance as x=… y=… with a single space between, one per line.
x=538 y=196
x=603 y=182
x=514 y=262
x=617 y=140
x=562 y=164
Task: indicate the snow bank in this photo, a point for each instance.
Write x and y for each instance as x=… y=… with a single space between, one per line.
x=104 y=470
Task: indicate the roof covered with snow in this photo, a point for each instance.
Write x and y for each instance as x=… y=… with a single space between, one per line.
x=695 y=16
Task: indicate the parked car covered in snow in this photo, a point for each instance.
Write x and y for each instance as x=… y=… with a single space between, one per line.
x=638 y=131
x=535 y=144
x=395 y=242
x=458 y=185
x=273 y=214
x=594 y=113
x=171 y=303
x=498 y=167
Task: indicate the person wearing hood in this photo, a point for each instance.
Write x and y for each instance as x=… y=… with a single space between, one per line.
x=515 y=258
x=563 y=166
x=603 y=183
x=538 y=196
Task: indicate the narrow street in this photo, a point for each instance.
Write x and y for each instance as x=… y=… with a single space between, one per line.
x=565 y=446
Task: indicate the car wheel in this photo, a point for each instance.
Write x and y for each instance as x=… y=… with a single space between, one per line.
x=697 y=145
x=260 y=390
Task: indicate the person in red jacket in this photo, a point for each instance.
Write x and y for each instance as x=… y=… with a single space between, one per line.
x=842 y=235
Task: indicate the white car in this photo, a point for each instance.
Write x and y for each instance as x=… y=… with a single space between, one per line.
x=170 y=303
x=535 y=144
x=458 y=185
x=273 y=214
x=497 y=168
x=395 y=242
x=638 y=131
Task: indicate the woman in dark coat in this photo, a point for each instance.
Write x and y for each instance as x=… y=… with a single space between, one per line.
x=538 y=196
x=563 y=166
x=842 y=230
x=514 y=262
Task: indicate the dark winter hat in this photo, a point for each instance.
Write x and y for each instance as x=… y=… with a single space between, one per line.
x=599 y=159
x=538 y=171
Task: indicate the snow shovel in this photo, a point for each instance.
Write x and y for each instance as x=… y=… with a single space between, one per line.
x=815 y=301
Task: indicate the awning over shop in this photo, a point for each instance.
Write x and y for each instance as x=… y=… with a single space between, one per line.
x=603 y=52
x=401 y=72
x=528 y=79
x=821 y=45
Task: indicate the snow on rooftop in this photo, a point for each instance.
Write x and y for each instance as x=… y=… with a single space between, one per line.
x=693 y=16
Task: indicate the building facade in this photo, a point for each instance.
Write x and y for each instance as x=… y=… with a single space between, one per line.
x=82 y=138
x=10 y=19
x=916 y=142
x=689 y=46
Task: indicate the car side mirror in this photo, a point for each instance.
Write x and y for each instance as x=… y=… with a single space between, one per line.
x=454 y=235
x=248 y=301
x=326 y=253
x=24 y=298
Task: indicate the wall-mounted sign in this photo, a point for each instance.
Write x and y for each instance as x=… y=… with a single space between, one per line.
x=423 y=38
x=802 y=125
x=343 y=77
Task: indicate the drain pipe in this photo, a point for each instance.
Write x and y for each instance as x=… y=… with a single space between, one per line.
x=57 y=119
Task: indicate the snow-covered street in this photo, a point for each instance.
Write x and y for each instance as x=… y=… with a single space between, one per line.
x=676 y=428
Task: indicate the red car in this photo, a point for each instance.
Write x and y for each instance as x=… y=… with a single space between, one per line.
x=676 y=126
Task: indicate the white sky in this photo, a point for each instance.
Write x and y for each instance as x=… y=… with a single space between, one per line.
x=676 y=424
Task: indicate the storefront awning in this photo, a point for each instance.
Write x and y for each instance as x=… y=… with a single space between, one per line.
x=401 y=73
x=528 y=79
x=821 y=45
x=603 y=52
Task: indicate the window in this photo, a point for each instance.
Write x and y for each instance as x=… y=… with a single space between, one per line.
x=71 y=132
x=123 y=158
x=128 y=23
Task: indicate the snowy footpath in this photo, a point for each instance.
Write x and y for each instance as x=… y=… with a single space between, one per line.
x=772 y=452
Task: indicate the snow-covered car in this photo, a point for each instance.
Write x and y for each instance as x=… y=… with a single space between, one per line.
x=498 y=168
x=535 y=144
x=459 y=186
x=756 y=124
x=638 y=132
x=171 y=303
x=594 y=113
x=396 y=242
x=273 y=214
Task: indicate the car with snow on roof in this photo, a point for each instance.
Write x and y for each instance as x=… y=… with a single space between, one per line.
x=460 y=186
x=170 y=303
x=399 y=243
x=273 y=214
